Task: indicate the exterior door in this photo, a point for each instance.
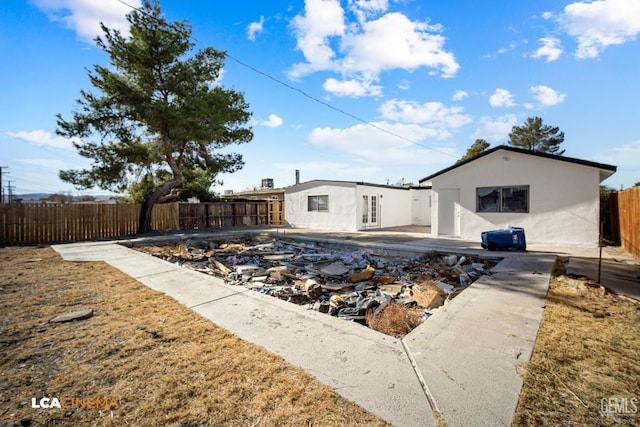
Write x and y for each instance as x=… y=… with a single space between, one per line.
x=449 y=211
x=370 y=211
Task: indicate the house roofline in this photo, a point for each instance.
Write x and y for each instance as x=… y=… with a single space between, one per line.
x=369 y=184
x=601 y=166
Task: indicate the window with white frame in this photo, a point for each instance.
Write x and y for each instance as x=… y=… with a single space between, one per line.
x=365 y=209
x=503 y=199
x=374 y=209
x=317 y=203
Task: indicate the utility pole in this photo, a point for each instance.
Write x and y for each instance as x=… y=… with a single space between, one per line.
x=10 y=191
x=1 y=187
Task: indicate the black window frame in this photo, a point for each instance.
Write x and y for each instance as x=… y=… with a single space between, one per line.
x=505 y=199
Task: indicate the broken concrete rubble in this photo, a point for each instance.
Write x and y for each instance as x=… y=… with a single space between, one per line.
x=349 y=284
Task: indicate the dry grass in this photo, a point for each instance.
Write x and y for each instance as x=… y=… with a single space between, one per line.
x=395 y=319
x=587 y=350
x=164 y=364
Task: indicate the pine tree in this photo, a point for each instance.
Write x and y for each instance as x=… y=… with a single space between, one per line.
x=476 y=148
x=158 y=108
x=535 y=136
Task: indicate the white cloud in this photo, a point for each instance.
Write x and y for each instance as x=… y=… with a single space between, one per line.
x=322 y=20
x=375 y=147
x=431 y=113
x=84 y=16
x=550 y=49
x=361 y=50
x=41 y=138
x=495 y=129
x=255 y=28
x=501 y=98
x=624 y=156
x=512 y=46
x=394 y=41
x=404 y=85
x=366 y=8
x=547 y=15
x=547 y=96
x=459 y=95
x=601 y=23
x=353 y=88
x=49 y=164
x=273 y=122
x=321 y=169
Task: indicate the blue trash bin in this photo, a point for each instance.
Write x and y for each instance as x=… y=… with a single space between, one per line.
x=512 y=238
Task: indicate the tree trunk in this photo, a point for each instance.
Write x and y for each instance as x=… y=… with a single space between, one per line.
x=150 y=199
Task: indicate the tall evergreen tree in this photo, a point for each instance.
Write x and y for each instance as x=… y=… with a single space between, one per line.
x=535 y=136
x=158 y=107
x=476 y=148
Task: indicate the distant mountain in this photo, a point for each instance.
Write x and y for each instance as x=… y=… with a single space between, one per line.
x=30 y=197
x=37 y=197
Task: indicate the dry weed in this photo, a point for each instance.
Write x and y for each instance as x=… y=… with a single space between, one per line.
x=587 y=349
x=164 y=364
x=395 y=319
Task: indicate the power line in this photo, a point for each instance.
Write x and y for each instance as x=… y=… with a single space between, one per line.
x=1 y=188
x=315 y=99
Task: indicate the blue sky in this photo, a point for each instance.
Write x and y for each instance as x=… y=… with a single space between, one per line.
x=411 y=83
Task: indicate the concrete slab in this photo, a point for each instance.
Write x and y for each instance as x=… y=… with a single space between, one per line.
x=621 y=276
x=189 y=287
x=362 y=365
x=91 y=251
x=469 y=352
x=137 y=264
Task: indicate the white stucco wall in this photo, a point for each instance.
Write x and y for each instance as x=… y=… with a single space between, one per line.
x=420 y=206
x=343 y=205
x=394 y=205
x=563 y=198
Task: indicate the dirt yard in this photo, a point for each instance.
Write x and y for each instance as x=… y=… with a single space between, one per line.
x=584 y=369
x=144 y=359
x=141 y=359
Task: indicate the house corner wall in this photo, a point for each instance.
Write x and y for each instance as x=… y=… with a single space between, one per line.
x=563 y=198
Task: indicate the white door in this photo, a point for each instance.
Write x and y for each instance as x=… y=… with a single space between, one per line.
x=449 y=211
x=370 y=211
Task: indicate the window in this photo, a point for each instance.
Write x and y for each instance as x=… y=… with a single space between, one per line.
x=502 y=199
x=365 y=209
x=317 y=203
x=374 y=209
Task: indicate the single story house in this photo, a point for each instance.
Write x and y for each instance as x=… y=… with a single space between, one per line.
x=266 y=192
x=353 y=206
x=556 y=199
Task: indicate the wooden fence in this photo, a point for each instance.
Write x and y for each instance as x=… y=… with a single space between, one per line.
x=629 y=215
x=199 y=216
x=49 y=223
x=54 y=223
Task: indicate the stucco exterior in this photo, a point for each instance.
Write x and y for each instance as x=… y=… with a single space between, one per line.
x=387 y=206
x=563 y=196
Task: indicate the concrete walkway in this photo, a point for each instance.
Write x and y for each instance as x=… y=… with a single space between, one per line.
x=461 y=364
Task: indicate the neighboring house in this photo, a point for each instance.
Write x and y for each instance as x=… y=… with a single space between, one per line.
x=556 y=199
x=257 y=194
x=353 y=206
x=266 y=192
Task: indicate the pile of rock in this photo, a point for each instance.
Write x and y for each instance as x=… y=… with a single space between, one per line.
x=346 y=284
